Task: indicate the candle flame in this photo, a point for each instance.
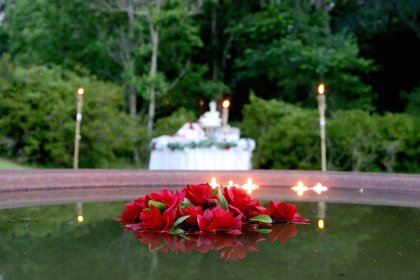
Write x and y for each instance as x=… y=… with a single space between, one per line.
x=226 y=104
x=250 y=186
x=213 y=183
x=319 y=188
x=321 y=88
x=80 y=91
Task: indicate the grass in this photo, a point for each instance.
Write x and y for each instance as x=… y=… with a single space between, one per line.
x=7 y=164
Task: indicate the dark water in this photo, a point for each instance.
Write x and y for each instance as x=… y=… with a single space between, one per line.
x=358 y=242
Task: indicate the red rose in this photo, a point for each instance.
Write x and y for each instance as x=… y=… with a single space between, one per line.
x=282 y=212
x=167 y=197
x=193 y=211
x=152 y=218
x=219 y=219
x=131 y=213
x=200 y=194
x=242 y=203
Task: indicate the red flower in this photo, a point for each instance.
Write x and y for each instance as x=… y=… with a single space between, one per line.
x=242 y=203
x=132 y=213
x=219 y=219
x=193 y=211
x=153 y=219
x=200 y=194
x=167 y=197
x=282 y=212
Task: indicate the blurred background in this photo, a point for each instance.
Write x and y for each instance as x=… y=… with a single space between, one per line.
x=149 y=66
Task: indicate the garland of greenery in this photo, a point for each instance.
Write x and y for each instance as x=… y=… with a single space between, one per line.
x=200 y=144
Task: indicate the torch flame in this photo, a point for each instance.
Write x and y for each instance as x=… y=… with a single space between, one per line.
x=321 y=88
x=226 y=103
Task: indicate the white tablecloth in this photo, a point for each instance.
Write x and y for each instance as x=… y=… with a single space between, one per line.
x=201 y=159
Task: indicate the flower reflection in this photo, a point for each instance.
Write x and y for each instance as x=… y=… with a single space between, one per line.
x=231 y=247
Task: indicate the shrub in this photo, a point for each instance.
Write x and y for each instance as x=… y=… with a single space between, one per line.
x=288 y=138
x=38 y=119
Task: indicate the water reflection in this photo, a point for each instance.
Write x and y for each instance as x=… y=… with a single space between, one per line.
x=321 y=213
x=231 y=247
x=362 y=242
x=79 y=212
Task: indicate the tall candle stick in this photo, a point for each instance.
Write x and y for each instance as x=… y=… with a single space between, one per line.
x=80 y=92
x=225 y=114
x=321 y=107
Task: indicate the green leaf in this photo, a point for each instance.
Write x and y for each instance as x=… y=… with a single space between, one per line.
x=185 y=203
x=180 y=220
x=263 y=230
x=222 y=199
x=176 y=231
x=263 y=218
x=157 y=204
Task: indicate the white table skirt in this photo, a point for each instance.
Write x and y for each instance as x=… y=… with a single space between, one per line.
x=201 y=159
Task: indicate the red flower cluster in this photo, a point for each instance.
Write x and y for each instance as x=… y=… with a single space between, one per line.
x=199 y=209
x=231 y=247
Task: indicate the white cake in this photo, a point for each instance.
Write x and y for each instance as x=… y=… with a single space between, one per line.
x=191 y=131
x=211 y=119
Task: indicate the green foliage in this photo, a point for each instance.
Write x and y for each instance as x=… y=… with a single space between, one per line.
x=261 y=115
x=294 y=53
x=288 y=138
x=58 y=32
x=413 y=104
x=292 y=143
x=38 y=119
x=169 y=125
x=353 y=141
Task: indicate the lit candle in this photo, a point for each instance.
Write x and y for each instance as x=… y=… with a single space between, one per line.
x=300 y=188
x=319 y=188
x=250 y=186
x=213 y=183
x=321 y=107
x=225 y=113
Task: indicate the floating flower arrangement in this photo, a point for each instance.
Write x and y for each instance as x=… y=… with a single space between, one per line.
x=202 y=213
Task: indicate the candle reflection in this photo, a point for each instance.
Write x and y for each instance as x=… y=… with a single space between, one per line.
x=79 y=208
x=322 y=209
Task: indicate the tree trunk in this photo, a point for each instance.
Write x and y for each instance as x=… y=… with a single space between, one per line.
x=214 y=43
x=154 y=34
x=298 y=7
x=131 y=87
x=319 y=4
x=132 y=101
